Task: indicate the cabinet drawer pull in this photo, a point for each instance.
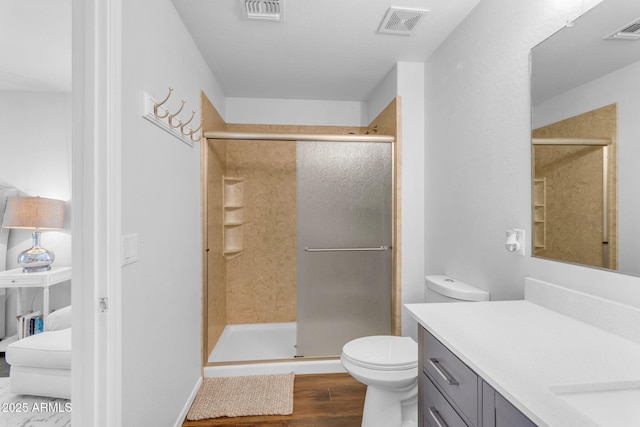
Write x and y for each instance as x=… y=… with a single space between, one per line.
x=446 y=376
x=437 y=417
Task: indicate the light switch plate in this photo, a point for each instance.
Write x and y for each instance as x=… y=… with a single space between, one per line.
x=129 y=249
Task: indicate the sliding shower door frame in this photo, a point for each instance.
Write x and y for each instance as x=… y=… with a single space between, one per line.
x=388 y=121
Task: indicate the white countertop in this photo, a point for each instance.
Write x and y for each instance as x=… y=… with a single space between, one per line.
x=523 y=350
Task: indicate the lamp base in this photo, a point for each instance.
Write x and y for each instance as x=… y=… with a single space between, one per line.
x=36 y=259
x=35 y=269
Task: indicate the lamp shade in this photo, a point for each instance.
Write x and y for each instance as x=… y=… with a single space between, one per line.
x=34 y=212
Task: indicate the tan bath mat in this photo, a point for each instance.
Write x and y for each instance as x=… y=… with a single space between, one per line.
x=243 y=396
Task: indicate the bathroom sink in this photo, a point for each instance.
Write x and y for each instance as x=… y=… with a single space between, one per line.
x=607 y=404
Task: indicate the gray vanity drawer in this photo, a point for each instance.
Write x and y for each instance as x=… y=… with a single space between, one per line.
x=437 y=411
x=453 y=377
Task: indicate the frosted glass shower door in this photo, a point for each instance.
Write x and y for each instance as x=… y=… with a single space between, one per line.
x=344 y=199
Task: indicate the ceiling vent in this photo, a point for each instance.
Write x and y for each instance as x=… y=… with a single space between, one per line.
x=628 y=32
x=264 y=10
x=402 y=21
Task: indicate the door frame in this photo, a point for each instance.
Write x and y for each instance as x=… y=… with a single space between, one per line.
x=96 y=220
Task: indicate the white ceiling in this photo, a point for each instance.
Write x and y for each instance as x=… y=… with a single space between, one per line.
x=326 y=49
x=35 y=45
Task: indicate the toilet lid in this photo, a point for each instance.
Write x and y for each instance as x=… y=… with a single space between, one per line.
x=382 y=352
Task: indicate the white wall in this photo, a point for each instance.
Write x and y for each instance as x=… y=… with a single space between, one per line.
x=621 y=87
x=477 y=160
x=294 y=112
x=35 y=130
x=161 y=293
x=382 y=94
x=406 y=80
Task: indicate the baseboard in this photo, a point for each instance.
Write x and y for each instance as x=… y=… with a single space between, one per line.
x=187 y=405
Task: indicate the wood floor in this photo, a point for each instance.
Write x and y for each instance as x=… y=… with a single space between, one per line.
x=322 y=400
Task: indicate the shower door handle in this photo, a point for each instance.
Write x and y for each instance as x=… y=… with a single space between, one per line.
x=378 y=248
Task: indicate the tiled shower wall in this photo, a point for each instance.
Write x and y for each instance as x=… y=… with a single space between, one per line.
x=261 y=283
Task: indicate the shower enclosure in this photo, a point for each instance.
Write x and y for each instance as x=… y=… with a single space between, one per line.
x=311 y=263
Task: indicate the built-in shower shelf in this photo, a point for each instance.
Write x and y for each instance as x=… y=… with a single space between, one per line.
x=233 y=253
x=232 y=216
x=540 y=213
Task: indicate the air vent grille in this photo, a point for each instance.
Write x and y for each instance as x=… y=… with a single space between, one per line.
x=401 y=20
x=266 y=10
x=630 y=31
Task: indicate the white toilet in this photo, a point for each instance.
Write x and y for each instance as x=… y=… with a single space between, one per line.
x=388 y=365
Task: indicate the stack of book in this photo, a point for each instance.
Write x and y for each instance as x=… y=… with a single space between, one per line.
x=30 y=324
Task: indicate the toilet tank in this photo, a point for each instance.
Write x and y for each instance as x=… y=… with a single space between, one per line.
x=446 y=289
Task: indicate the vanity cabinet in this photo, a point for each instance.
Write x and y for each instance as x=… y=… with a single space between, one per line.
x=498 y=412
x=451 y=394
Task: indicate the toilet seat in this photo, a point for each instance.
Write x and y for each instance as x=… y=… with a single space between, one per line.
x=382 y=353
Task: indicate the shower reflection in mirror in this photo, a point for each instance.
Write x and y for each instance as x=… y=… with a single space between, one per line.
x=575 y=195
x=586 y=140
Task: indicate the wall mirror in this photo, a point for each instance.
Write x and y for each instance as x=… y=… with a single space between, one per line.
x=585 y=96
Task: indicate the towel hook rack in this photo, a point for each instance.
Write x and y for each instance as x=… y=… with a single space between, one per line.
x=161 y=116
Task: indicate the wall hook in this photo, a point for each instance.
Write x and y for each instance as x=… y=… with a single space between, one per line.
x=193 y=114
x=157 y=106
x=196 y=130
x=171 y=116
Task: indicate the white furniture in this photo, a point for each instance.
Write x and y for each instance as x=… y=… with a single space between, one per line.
x=17 y=279
x=41 y=363
x=388 y=365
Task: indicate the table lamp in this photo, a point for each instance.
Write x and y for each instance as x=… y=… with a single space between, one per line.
x=36 y=213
